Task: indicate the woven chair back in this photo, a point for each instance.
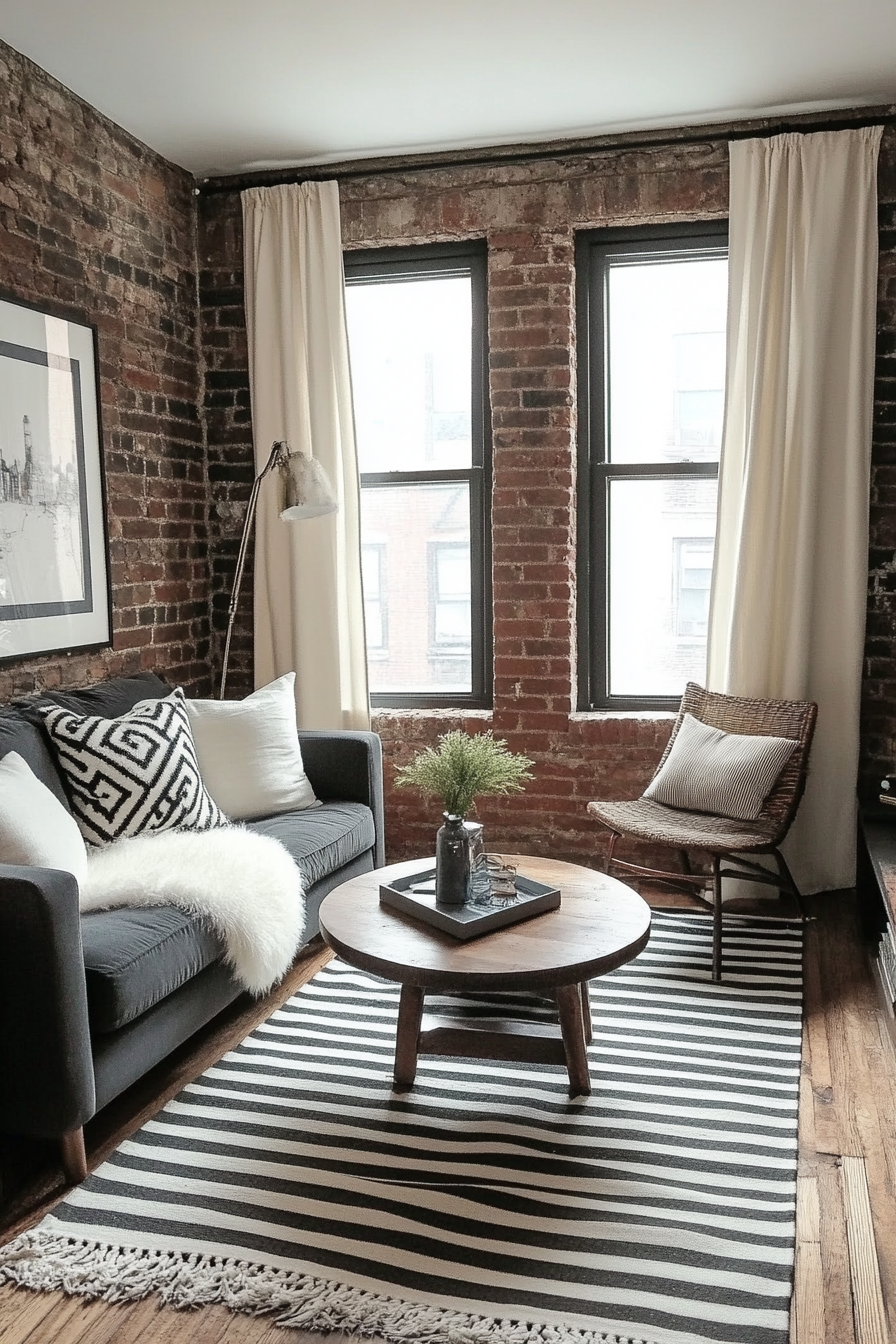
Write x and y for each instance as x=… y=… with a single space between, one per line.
x=758 y=718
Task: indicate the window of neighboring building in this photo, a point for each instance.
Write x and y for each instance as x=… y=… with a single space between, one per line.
x=450 y=597
x=652 y=306
x=416 y=325
x=372 y=560
x=693 y=574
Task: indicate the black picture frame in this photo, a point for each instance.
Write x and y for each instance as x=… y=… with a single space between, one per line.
x=54 y=547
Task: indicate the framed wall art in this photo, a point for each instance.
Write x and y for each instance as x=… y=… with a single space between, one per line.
x=54 y=570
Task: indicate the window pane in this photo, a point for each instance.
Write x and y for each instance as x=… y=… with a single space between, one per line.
x=411 y=358
x=661 y=536
x=423 y=536
x=666 y=333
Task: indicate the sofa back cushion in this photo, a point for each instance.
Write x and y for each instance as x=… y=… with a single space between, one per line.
x=22 y=726
x=108 y=698
x=31 y=743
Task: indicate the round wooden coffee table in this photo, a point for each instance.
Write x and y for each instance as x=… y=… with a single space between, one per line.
x=600 y=924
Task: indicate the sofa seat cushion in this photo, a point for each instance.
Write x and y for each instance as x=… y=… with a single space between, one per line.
x=134 y=958
x=321 y=839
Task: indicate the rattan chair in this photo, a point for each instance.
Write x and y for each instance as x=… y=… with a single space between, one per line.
x=723 y=840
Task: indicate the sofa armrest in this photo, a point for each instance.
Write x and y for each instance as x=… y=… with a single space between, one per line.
x=348 y=766
x=46 y=1062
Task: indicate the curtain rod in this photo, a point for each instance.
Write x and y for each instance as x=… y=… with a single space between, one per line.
x=554 y=149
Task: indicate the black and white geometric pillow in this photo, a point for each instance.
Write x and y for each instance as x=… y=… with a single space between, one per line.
x=133 y=774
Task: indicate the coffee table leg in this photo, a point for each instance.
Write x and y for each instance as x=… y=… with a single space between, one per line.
x=410 y=1012
x=586 y=1012
x=569 y=1006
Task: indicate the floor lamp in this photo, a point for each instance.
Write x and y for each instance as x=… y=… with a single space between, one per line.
x=305 y=492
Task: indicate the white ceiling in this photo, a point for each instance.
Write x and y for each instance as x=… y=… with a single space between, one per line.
x=221 y=86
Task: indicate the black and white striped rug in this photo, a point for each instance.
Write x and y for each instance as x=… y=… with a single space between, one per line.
x=484 y=1206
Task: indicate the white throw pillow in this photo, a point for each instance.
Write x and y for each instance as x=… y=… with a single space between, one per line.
x=726 y=774
x=35 y=829
x=249 y=754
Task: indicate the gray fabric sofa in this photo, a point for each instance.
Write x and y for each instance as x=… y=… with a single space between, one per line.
x=89 y=1003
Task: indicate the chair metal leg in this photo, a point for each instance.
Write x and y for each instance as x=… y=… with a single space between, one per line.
x=611 y=845
x=791 y=886
x=717 y=918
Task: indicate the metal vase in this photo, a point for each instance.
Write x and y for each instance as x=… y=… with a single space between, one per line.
x=452 y=861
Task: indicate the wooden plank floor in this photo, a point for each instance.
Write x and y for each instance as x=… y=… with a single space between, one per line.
x=845 y=1286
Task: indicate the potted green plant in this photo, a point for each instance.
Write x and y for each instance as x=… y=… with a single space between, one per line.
x=462 y=768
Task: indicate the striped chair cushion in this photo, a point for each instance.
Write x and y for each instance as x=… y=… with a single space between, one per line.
x=725 y=774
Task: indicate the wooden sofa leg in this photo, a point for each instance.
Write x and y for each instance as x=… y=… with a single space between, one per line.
x=74 y=1156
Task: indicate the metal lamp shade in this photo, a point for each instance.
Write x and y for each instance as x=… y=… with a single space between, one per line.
x=305 y=491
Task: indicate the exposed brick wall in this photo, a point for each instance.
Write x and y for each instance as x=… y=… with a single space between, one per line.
x=102 y=230
x=228 y=420
x=529 y=213
x=879 y=684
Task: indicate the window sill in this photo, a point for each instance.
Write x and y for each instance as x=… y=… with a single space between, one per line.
x=429 y=712
x=457 y=714
x=643 y=715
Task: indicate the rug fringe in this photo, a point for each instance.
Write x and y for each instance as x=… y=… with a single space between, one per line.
x=48 y=1262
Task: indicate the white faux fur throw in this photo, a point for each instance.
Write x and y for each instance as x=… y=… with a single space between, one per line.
x=245 y=884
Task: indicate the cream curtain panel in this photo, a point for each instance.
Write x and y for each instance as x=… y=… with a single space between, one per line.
x=791 y=571
x=309 y=612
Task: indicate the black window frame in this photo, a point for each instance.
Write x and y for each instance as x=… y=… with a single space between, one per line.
x=595 y=249
x=469 y=258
